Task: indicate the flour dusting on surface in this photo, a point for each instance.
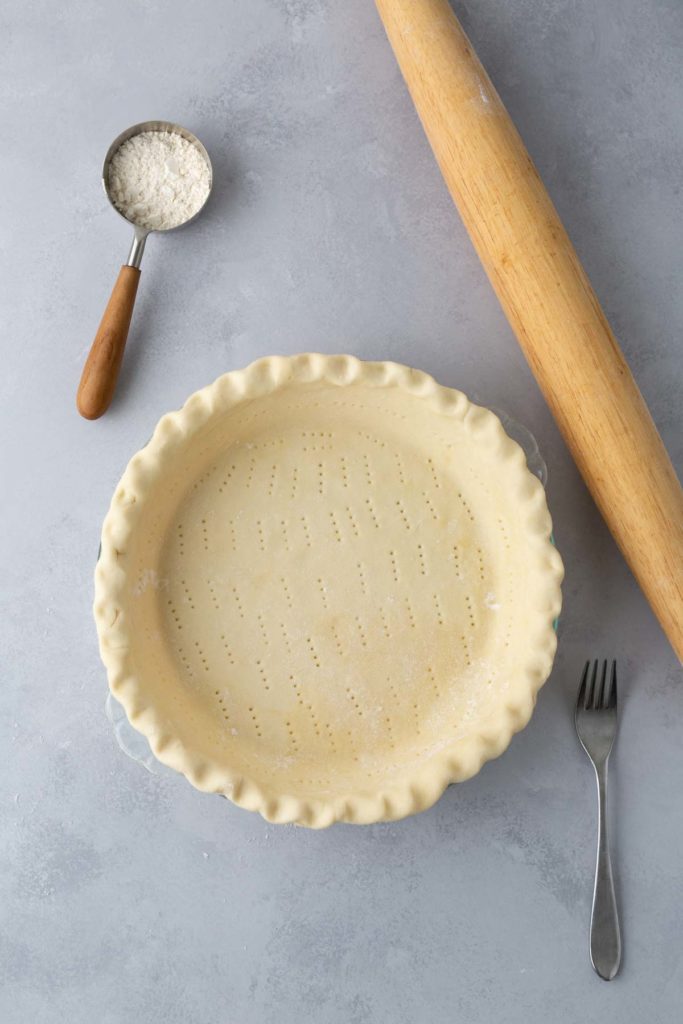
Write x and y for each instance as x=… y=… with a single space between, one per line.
x=149 y=578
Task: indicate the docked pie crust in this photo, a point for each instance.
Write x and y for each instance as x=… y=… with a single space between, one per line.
x=327 y=589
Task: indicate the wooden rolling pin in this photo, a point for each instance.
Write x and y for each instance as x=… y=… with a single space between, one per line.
x=546 y=296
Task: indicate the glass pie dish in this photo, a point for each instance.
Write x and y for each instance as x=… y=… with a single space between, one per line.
x=327 y=589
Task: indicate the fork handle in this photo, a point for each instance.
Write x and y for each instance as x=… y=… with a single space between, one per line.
x=605 y=931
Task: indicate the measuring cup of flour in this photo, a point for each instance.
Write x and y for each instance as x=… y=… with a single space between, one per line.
x=158 y=176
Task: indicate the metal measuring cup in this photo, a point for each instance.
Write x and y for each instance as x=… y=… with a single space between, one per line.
x=101 y=369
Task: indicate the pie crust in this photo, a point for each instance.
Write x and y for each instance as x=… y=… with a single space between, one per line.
x=327 y=589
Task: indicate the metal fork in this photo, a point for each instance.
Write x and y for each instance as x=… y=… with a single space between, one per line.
x=596 y=726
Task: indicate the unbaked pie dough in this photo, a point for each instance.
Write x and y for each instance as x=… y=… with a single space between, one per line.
x=327 y=589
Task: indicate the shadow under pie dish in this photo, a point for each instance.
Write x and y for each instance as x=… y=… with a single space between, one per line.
x=327 y=589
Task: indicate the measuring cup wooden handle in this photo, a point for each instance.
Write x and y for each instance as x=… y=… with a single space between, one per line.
x=101 y=370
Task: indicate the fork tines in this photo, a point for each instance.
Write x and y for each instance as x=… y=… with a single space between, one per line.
x=597 y=692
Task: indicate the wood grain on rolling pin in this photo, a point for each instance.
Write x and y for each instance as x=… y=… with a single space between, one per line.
x=547 y=298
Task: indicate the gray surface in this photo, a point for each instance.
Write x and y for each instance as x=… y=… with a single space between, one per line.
x=128 y=898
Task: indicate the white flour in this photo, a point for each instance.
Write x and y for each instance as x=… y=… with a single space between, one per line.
x=158 y=180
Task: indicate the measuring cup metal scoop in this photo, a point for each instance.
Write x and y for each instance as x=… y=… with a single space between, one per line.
x=101 y=369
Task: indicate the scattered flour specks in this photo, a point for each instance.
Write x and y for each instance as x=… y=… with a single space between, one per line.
x=149 y=578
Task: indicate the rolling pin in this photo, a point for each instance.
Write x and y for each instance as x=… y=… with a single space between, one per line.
x=547 y=298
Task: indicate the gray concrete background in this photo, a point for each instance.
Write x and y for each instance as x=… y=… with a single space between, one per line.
x=130 y=898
